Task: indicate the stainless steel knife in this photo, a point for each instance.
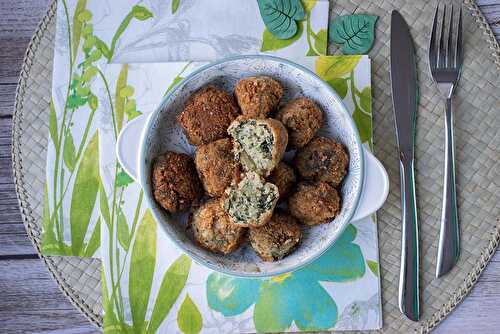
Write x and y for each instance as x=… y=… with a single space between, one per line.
x=404 y=99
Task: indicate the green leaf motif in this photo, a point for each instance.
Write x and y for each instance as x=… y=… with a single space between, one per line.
x=119 y=99
x=171 y=287
x=74 y=101
x=355 y=33
x=127 y=91
x=123 y=232
x=175 y=5
x=69 y=151
x=111 y=325
x=53 y=124
x=48 y=235
x=142 y=266
x=364 y=124
x=89 y=73
x=272 y=43
x=138 y=12
x=141 y=13
x=280 y=16
x=332 y=67
x=320 y=41
x=84 y=194
x=340 y=86
x=309 y=5
x=365 y=99
x=104 y=206
x=123 y=179
x=77 y=25
x=95 y=240
x=101 y=46
x=176 y=80
x=189 y=317
x=93 y=102
x=373 y=267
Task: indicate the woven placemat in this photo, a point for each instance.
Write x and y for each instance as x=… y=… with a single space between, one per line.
x=477 y=139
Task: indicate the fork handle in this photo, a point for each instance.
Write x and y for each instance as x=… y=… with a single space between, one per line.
x=409 y=301
x=449 y=236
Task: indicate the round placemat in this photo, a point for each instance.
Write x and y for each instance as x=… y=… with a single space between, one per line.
x=477 y=136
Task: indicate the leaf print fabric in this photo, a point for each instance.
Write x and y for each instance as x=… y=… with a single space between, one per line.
x=293 y=297
x=148 y=285
x=223 y=304
x=203 y=30
x=73 y=177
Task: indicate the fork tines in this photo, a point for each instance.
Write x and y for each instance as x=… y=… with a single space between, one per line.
x=447 y=56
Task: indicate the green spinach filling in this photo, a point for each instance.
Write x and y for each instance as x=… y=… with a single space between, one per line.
x=250 y=200
x=255 y=144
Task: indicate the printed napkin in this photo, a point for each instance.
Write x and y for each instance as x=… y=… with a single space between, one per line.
x=92 y=33
x=149 y=285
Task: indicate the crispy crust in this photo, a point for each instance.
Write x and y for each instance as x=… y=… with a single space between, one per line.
x=175 y=183
x=258 y=96
x=323 y=159
x=207 y=114
x=279 y=133
x=216 y=166
x=314 y=203
x=283 y=176
x=302 y=118
x=276 y=239
x=213 y=230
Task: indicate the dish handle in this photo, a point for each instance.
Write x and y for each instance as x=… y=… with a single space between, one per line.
x=375 y=187
x=128 y=145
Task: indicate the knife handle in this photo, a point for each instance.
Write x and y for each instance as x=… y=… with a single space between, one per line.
x=449 y=236
x=409 y=302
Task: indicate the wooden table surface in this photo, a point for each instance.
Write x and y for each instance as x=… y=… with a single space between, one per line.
x=30 y=300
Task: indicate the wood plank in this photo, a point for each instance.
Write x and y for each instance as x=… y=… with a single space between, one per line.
x=19 y=20
x=491 y=10
x=7 y=97
x=32 y=302
x=14 y=241
x=479 y=311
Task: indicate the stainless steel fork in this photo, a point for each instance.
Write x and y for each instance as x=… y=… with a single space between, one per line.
x=445 y=61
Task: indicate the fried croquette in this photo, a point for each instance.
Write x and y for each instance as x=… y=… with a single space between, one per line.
x=251 y=202
x=216 y=166
x=207 y=114
x=283 y=176
x=323 y=159
x=314 y=203
x=175 y=183
x=302 y=118
x=258 y=96
x=259 y=144
x=277 y=238
x=213 y=230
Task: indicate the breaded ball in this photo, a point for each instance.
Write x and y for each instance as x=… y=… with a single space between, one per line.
x=277 y=238
x=302 y=118
x=175 y=183
x=314 y=203
x=216 y=166
x=283 y=176
x=323 y=159
x=258 y=96
x=207 y=114
x=251 y=202
x=213 y=230
x=259 y=144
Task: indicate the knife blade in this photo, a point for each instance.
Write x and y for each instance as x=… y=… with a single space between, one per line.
x=404 y=99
